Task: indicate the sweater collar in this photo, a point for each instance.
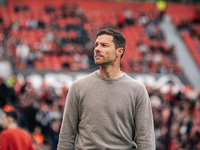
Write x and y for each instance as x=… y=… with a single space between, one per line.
x=109 y=79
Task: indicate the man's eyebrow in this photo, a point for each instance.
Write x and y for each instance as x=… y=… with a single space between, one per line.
x=101 y=42
x=95 y=43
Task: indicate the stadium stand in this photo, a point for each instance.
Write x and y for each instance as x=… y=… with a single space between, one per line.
x=58 y=36
x=68 y=30
x=187 y=20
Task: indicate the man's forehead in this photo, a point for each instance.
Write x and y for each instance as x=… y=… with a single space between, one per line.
x=104 y=38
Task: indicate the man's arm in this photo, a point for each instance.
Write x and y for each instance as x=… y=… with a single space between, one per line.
x=69 y=123
x=144 y=121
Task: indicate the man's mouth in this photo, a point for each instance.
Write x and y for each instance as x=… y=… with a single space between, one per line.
x=98 y=56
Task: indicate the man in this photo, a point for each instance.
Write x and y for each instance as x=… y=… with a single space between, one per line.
x=12 y=137
x=107 y=109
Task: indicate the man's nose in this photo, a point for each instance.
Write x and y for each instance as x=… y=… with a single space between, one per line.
x=97 y=49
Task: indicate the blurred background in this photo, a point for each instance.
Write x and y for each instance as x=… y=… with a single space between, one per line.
x=45 y=45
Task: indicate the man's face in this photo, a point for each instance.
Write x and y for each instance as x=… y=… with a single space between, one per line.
x=5 y=121
x=104 y=52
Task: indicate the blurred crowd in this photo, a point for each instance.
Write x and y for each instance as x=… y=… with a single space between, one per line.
x=176 y=119
x=29 y=35
x=40 y=111
x=60 y=38
x=176 y=113
x=155 y=55
x=63 y=36
x=192 y=26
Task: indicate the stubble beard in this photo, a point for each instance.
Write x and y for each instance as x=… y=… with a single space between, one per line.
x=103 y=63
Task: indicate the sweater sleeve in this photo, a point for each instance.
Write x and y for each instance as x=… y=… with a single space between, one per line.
x=144 y=121
x=69 y=125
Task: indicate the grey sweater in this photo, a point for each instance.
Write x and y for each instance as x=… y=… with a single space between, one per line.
x=102 y=114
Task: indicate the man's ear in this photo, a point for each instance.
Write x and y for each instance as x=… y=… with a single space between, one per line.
x=120 y=52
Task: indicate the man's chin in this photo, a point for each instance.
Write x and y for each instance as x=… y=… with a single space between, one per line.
x=98 y=63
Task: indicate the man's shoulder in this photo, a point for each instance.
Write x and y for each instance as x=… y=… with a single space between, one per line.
x=4 y=132
x=86 y=79
x=7 y=132
x=135 y=84
x=133 y=81
x=14 y=130
x=14 y=134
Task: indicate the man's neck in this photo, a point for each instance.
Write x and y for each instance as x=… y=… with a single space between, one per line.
x=12 y=126
x=110 y=72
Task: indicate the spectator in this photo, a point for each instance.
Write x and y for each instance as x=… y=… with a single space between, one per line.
x=129 y=17
x=20 y=7
x=121 y=19
x=29 y=113
x=55 y=130
x=142 y=47
x=13 y=137
x=161 y=5
x=3 y=93
x=22 y=51
x=38 y=138
x=143 y=19
x=49 y=9
x=196 y=16
x=32 y=23
x=44 y=118
x=44 y=46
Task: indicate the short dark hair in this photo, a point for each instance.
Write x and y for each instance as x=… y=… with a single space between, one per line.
x=118 y=39
x=13 y=114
